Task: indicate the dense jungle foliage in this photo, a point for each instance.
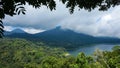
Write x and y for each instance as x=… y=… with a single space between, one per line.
x=20 y=53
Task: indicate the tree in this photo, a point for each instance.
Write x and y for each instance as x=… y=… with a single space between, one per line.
x=15 y=7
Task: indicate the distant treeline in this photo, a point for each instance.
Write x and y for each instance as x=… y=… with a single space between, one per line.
x=20 y=53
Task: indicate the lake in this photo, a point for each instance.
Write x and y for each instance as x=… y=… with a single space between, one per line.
x=89 y=49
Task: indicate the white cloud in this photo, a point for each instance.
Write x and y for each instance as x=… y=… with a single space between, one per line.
x=32 y=30
x=106 y=17
x=95 y=23
x=28 y=30
x=98 y=24
x=109 y=25
x=8 y=28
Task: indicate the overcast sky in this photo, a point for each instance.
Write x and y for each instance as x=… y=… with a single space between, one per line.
x=96 y=23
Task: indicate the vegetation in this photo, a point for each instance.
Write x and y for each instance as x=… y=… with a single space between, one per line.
x=20 y=53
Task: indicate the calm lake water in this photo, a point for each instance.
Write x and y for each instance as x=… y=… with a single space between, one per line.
x=89 y=49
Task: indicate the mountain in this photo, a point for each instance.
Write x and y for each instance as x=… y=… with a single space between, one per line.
x=7 y=33
x=14 y=31
x=18 y=31
x=63 y=36
x=59 y=37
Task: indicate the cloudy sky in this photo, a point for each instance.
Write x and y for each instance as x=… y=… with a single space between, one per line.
x=96 y=23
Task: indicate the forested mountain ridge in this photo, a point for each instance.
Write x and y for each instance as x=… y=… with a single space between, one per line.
x=67 y=38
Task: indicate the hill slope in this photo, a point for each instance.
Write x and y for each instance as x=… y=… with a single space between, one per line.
x=65 y=38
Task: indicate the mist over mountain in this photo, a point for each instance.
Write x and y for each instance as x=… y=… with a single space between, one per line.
x=59 y=37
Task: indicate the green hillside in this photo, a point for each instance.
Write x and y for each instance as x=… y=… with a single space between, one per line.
x=20 y=53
